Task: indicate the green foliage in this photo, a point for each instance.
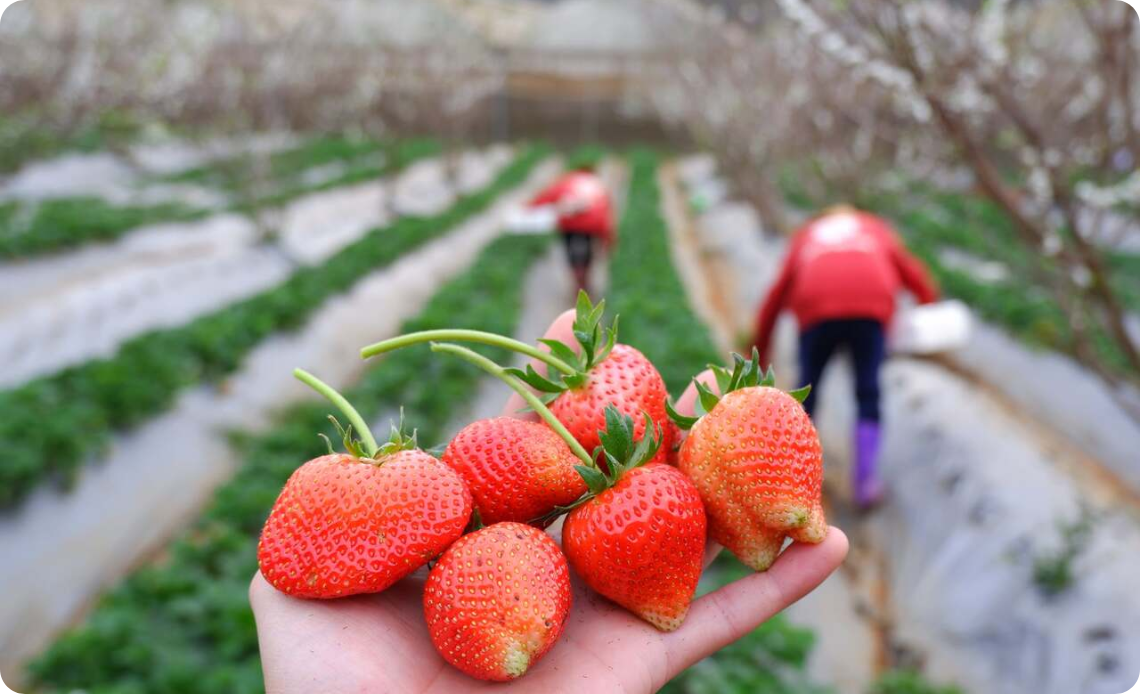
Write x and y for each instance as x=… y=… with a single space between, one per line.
x=183 y=625
x=25 y=137
x=909 y=682
x=288 y=173
x=646 y=291
x=30 y=228
x=51 y=426
x=586 y=156
x=1053 y=572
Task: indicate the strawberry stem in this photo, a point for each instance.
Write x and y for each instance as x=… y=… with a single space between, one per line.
x=476 y=336
x=343 y=405
x=520 y=388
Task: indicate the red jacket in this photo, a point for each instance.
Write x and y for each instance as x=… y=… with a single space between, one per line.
x=583 y=204
x=842 y=265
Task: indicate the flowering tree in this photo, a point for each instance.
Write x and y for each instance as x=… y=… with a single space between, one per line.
x=1037 y=100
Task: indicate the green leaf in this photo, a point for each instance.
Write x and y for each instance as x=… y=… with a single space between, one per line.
x=576 y=381
x=679 y=419
x=707 y=398
x=582 y=308
x=595 y=481
x=560 y=350
x=617 y=437
x=800 y=394
x=536 y=380
x=769 y=380
x=647 y=447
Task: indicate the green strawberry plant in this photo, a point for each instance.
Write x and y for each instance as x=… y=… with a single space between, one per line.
x=38 y=420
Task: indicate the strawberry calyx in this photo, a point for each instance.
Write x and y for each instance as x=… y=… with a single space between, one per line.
x=595 y=342
x=746 y=373
x=622 y=453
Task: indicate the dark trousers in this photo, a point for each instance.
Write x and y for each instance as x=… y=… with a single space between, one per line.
x=864 y=339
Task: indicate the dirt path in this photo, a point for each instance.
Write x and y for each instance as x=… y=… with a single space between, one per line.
x=63 y=549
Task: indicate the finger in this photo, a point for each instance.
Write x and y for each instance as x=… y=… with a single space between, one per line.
x=712 y=550
x=687 y=403
x=562 y=329
x=726 y=615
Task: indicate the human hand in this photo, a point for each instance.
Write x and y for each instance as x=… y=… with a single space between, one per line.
x=379 y=643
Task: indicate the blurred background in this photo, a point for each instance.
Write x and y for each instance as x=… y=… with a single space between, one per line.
x=198 y=195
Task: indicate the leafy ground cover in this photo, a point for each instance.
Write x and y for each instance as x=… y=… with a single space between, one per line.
x=51 y=426
x=35 y=228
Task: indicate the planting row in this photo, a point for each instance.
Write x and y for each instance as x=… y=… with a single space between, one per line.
x=40 y=421
x=657 y=317
x=184 y=625
x=33 y=228
x=654 y=308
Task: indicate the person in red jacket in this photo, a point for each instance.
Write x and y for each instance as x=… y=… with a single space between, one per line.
x=585 y=217
x=840 y=277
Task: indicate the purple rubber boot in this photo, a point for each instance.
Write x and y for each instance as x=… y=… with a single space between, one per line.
x=868 y=490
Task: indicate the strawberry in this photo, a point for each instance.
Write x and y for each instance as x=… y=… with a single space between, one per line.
x=358 y=522
x=579 y=384
x=755 y=457
x=497 y=600
x=638 y=538
x=516 y=470
x=604 y=373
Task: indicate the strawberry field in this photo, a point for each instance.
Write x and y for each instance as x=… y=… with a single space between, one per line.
x=185 y=611
x=198 y=199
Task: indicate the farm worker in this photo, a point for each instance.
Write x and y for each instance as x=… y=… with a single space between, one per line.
x=840 y=277
x=585 y=217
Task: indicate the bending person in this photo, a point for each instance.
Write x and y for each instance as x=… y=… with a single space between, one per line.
x=840 y=277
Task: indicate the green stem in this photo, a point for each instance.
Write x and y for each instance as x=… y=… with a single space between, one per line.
x=341 y=404
x=477 y=336
x=520 y=388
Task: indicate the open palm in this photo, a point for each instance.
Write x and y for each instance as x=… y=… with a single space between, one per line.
x=379 y=643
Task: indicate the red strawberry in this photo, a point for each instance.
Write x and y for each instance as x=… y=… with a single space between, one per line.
x=356 y=523
x=579 y=385
x=629 y=382
x=605 y=373
x=640 y=539
x=756 y=459
x=516 y=470
x=497 y=600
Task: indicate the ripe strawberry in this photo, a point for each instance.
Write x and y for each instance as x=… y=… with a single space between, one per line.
x=639 y=538
x=497 y=600
x=356 y=523
x=606 y=374
x=516 y=470
x=756 y=459
x=578 y=385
